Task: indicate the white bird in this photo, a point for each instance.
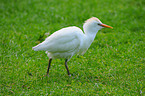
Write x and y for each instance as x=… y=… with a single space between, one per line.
x=69 y=41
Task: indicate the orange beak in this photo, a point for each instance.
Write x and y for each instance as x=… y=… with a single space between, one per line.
x=104 y=25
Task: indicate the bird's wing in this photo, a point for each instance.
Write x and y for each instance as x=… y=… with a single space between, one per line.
x=64 y=40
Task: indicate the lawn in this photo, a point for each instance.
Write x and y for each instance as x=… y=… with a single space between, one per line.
x=113 y=65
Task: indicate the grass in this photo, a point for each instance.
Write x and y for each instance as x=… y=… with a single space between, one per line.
x=113 y=65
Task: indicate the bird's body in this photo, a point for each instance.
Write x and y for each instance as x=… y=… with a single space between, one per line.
x=69 y=41
x=64 y=45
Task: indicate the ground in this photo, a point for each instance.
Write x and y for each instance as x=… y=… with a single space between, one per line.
x=113 y=65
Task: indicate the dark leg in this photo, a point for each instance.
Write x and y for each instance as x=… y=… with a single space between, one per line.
x=67 y=67
x=49 y=66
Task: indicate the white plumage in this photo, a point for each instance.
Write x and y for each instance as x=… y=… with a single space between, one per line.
x=69 y=41
x=62 y=44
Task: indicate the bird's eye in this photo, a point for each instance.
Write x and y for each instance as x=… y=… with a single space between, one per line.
x=99 y=24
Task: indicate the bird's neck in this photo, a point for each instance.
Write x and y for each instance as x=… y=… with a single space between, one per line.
x=88 y=39
x=90 y=33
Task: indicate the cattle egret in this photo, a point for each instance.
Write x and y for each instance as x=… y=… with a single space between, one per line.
x=69 y=41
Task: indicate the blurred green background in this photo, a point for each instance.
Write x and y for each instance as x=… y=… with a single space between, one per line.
x=113 y=65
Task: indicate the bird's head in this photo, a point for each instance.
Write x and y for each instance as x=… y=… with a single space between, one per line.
x=94 y=24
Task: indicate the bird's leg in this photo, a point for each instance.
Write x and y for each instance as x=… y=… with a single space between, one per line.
x=67 y=67
x=49 y=66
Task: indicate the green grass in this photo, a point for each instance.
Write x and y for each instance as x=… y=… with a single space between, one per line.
x=113 y=65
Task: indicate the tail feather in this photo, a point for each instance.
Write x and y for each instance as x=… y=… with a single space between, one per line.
x=36 y=48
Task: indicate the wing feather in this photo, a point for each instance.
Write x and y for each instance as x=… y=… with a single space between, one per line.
x=64 y=40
